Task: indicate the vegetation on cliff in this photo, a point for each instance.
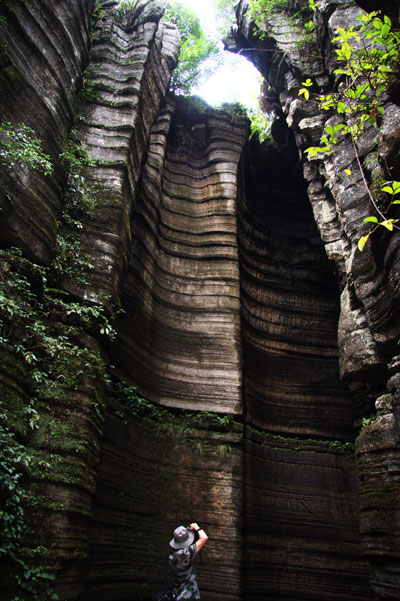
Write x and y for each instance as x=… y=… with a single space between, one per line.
x=195 y=48
x=369 y=59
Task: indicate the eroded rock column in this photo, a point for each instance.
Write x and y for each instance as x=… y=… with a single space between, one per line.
x=180 y=335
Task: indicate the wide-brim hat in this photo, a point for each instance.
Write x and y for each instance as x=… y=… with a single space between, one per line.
x=183 y=537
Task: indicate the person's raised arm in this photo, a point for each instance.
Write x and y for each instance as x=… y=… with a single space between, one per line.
x=203 y=538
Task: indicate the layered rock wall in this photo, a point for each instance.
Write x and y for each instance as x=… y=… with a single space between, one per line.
x=233 y=289
x=150 y=480
x=290 y=304
x=130 y=64
x=44 y=49
x=368 y=324
x=53 y=353
x=180 y=334
x=301 y=521
x=301 y=509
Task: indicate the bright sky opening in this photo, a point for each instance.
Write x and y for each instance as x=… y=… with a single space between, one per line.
x=235 y=79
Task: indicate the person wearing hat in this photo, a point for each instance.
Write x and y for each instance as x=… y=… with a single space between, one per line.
x=183 y=550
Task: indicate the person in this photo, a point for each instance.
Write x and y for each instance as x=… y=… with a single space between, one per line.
x=183 y=551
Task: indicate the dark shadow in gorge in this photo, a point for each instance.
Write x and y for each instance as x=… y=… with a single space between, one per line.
x=290 y=303
x=301 y=526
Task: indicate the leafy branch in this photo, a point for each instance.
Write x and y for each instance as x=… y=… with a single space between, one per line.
x=369 y=60
x=195 y=48
x=19 y=146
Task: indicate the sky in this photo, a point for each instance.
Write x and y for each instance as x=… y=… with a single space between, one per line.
x=236 y=79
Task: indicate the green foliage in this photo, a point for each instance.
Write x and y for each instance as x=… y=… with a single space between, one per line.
x=226 y=12
x=14 y=462
x=392 y=189
x=125 y=13
x=80 y=201
x=81 y=197
x=19 y=147
x=134 y=405
x=297 y=444
x=195 y=48
x=42 y=330
x=309 y=33
x=42 y=338
x=260 y=125
x=99 y=12
x=89 y=91
x=260 y=12
x=126 y=8
x=369 y=62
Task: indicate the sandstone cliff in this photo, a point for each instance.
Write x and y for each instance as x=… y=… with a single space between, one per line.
x=189 y=331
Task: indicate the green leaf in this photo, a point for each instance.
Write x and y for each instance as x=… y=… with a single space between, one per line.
x=362 y=242
x=387 y=224
x=348 y=171
x=314 y=150
x=305 y=92
x=195 y=48
x=371 y=219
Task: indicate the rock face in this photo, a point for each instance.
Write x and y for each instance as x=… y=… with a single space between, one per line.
x=45 y=47
x=301 y=521
x=149 y=482
x=368 y=323
x=253 y=338
x=51 y=348
x=181 y=295
x=290 y=304
x=130 y=65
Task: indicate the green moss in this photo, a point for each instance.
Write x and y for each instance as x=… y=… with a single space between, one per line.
x=385 y=499
x=61 y=468
x=133 y=405
x=295 y=444
x=40 y=500
x=60 y=433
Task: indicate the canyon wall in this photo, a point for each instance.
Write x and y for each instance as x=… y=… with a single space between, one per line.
x=368 y=325
x=189 y=331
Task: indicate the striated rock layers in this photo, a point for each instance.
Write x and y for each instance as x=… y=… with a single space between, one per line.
x=52 y=352
x=226 y=396
x=368 y=282
x=180 y=335
x=44 y=49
